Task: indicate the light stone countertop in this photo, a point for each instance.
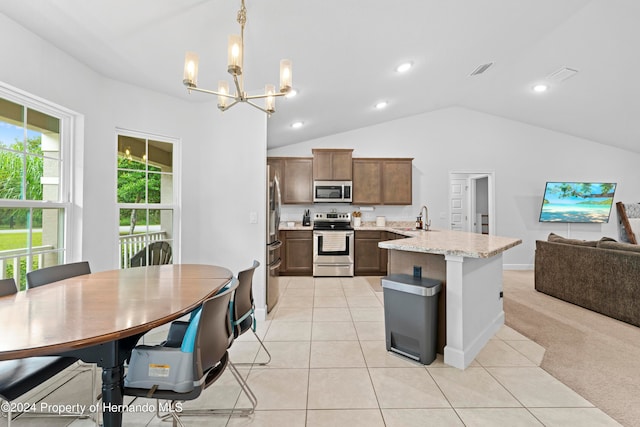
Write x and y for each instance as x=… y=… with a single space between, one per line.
x=448 y=242
x=400 y=227
x=435 y=241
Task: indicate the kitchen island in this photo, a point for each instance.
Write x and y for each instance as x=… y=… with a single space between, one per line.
x=470 y=267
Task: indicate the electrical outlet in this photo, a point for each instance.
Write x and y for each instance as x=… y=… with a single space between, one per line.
x=253 y=217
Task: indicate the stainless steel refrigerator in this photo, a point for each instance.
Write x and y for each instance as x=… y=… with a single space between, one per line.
x=273 y=240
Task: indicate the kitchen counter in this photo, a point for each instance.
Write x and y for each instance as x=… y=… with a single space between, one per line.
x=434 y=241
x=449 y=242
x=470 y=268
x=297 y=225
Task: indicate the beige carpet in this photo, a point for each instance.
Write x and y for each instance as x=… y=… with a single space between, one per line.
x=596 y=356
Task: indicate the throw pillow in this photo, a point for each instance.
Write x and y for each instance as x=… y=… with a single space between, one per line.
x=620 y=246
x=559 y=239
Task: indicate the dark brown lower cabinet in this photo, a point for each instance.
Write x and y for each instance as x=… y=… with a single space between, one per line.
x=296 y=253
x=370 y=260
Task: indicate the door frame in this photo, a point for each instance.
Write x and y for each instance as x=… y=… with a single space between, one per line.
x=471 y=177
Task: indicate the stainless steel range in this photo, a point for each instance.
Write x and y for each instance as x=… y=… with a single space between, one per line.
x=333 y=244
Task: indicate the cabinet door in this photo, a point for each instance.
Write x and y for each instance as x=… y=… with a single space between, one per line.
x=298 y=180
x=397 y=182
x=298 y=255
x=367 y=181
x=367 y=253
x=322 y=165
x=341 y=165
x=332 y=164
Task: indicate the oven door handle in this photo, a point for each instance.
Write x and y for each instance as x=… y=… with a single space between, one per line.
x=275 y=245
x=276 y=265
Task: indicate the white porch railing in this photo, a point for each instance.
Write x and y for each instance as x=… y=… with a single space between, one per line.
x=132 y=243
x=14 y=256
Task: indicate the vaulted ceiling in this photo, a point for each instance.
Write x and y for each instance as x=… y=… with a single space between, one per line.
x=344 y=54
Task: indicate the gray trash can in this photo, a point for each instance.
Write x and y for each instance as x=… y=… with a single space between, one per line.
x=411 y=316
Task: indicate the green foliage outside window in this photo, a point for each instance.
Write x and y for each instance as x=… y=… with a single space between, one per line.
x=132 y=187
x=11 y=184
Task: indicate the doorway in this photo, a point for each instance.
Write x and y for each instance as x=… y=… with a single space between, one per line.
x=472 y=201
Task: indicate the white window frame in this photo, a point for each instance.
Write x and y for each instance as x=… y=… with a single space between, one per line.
x=175 y=206
x=70 y=122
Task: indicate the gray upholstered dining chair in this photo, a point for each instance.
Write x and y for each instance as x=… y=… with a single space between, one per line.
x=243 y=309
x=19 y=376
x=197 y=360
x=54 y=273
x=46 y=275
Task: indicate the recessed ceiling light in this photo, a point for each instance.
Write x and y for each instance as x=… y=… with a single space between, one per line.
x=291 y=93
x=540 y=88
x=297 y=125
x=404 y=67
x=382 y=104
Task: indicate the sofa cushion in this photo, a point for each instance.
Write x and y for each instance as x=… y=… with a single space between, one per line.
x=559 y=239
x=619 y=246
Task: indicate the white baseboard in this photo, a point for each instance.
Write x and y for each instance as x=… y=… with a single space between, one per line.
x=261 y=313
x=518 y=266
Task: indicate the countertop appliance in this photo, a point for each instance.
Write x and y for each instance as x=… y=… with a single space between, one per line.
x=332 y=191
x=273 y=240
x=333 y=244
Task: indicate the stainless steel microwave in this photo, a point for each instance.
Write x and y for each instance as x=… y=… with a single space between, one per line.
x=332 y=191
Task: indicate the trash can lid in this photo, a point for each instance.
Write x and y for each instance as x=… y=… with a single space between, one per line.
x=414 y=285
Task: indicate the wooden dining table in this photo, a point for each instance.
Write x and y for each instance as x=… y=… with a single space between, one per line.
x=100 y=317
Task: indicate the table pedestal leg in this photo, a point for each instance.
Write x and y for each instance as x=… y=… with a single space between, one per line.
x=110 y=357
x=112 y=383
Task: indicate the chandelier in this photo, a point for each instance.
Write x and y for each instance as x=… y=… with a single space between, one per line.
x=227 y=100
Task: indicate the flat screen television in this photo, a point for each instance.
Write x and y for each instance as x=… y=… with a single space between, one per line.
x=577 y=202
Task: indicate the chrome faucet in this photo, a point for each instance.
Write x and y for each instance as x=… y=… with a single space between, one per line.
x=426 y=222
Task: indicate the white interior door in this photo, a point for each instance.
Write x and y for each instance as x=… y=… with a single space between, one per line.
x=458 y=204
x=471 y=194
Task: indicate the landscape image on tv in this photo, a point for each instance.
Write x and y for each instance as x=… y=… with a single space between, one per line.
x=577 y=202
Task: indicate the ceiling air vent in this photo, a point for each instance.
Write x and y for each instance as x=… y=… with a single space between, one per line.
x=562 y=74
x=481 y=69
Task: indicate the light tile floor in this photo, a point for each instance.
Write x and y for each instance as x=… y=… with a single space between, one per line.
x=330 y=368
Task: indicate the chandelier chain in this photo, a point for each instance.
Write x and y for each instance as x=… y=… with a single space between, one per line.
x=242 y=15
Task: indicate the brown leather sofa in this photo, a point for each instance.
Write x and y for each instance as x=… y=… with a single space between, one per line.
x=602 y=275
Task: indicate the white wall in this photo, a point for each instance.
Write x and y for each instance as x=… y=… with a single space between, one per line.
x=523 y=158
x=223 y=156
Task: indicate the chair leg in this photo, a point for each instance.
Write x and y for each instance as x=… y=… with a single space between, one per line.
x=33 y=413
x=247 y=391
x=243 y=412
x=264 y=348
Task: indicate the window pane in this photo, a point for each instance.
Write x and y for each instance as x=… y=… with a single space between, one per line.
x=11 y=123
x=11 y=168
x=161 y=224
x=13 y=231
x=133 y=221
x=161 y=155
x=43 y=133
x=42 y=179
x=155 y=187
x=132 y=153
x=30 y=234
x=131 y=187
x=50 y=182
x=48 y=237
